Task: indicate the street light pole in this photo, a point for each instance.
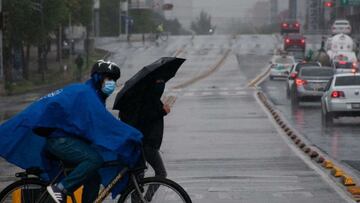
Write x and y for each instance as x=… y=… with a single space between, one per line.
x=1 y=46
x=42 y=54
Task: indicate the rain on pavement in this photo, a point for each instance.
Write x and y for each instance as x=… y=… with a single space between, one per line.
x=219 y=143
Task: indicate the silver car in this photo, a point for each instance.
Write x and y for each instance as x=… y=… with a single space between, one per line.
x=290 y=80
x=310 y=83
x=341 y=97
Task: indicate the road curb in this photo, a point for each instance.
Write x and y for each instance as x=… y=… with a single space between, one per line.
x=335 y=172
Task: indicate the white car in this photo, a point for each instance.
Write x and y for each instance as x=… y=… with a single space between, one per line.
x=280 y=66
x=345 y=62
x=341 y=97
x=341 y=26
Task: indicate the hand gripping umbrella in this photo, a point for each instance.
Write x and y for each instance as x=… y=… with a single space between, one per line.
x=130 y=96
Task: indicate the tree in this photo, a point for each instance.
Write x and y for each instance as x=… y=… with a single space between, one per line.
x=203 y=24
x=109 y=17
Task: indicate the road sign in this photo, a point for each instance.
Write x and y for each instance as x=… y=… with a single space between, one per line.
x=349 y=2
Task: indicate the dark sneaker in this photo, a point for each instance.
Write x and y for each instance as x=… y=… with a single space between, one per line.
x=58 y=195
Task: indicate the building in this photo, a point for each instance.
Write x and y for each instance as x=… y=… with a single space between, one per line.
x=261 y=14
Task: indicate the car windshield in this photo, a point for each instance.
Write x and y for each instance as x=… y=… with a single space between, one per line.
x=316 y=72
x=347 y=80
x=341 y=23
x=295 y=36
x=283 y=60
x=341 y=58
x=301 y=65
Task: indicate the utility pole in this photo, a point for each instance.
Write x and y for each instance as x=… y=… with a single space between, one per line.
x=292 y=9
x=2 y=87
x=1 y=45
x=42 y=42
x=274 y=11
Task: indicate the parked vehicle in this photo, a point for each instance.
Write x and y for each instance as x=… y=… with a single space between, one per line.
x=310 y=84
x=280 y=66
x=292 y=41
x=293 y=75
x=290 y=26
x=341 y=26
x=341 y=97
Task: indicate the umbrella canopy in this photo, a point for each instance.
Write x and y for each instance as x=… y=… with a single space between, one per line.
x=130 y=96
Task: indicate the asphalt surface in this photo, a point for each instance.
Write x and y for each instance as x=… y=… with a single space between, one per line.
x=219 y=143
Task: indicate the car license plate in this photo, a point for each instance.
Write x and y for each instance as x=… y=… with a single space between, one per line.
x=355 y=105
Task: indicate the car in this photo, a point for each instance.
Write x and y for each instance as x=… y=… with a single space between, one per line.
x=344 y=66
x=345 y=62
x=341 y=97
x=310 y=84
x=290 y=26
x=341 y=26
x=294 y=41
x=280 y=66
x=293 y=74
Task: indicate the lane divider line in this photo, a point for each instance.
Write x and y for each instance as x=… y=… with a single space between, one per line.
x=205 y=74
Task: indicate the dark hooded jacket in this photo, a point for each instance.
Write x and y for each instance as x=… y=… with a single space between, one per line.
x=151 y=116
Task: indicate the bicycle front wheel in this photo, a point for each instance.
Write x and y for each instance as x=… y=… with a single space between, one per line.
x=31 y=190
x=156 y=190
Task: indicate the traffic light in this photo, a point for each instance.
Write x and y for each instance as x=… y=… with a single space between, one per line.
x=329 y=4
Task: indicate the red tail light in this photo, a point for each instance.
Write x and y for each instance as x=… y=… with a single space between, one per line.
x=354 y=65
x=297 y=25
x=342 y=62
x=284 y=24
x=300 y=82
x=303 y=41
x=287 y=40
x=337 y=94
x=293 y=75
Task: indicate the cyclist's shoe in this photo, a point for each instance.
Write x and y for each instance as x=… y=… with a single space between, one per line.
x=58 y=195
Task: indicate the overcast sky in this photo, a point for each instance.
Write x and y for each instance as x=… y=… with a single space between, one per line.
x=228 y=8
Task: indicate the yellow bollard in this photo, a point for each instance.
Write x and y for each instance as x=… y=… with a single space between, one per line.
x=16 y=196
x=77 y=194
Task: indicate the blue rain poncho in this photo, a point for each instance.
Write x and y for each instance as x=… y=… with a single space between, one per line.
x=78 y=110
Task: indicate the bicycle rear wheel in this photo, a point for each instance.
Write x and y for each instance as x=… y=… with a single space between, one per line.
x=31 y=190
x=156 y=190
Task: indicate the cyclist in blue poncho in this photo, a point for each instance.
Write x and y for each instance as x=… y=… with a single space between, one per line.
x=73 y=125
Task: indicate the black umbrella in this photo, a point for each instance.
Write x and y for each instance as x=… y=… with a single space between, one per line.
x=130 y=96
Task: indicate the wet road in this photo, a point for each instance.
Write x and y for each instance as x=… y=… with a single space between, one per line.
x=340 y=141
x=219 y=143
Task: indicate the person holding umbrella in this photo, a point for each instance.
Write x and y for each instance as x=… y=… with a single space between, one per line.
x=140 y=105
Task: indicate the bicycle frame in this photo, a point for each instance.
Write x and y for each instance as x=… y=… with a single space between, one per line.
x=106 y=191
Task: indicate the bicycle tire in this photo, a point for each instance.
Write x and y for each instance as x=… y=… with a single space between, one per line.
x=178 y=193
x=33 y=190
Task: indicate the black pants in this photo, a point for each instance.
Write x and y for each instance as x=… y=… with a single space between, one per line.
x=153 y=157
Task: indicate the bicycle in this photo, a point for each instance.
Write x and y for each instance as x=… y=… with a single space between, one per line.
x=159 y=35
x=31 y=189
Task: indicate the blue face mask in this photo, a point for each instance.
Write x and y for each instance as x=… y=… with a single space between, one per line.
x=109 y=87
